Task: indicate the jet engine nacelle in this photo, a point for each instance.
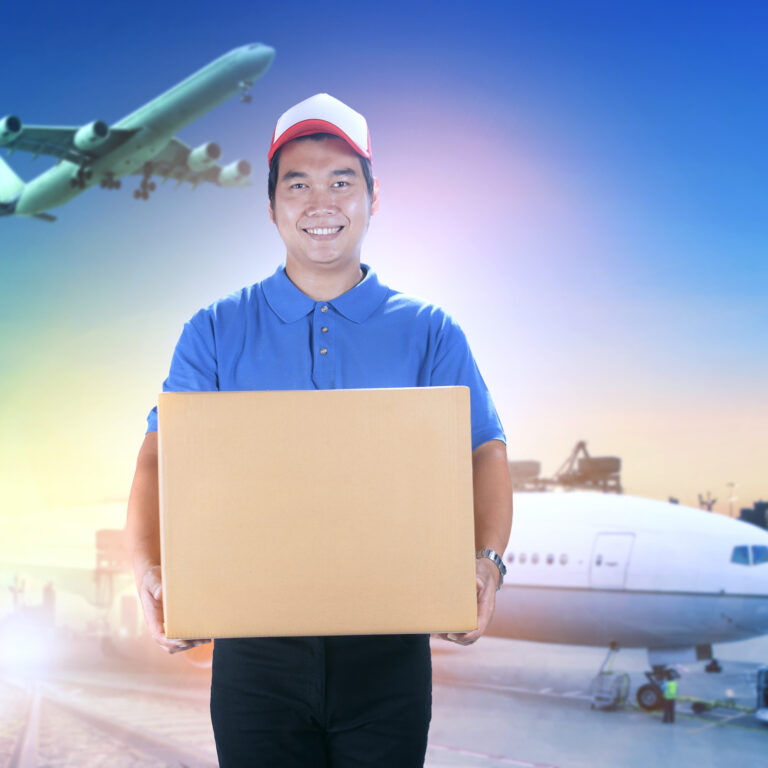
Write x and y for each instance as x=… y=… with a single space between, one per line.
x=10 y=128
x=235 y=173
x=203 y=156
x=91 y=135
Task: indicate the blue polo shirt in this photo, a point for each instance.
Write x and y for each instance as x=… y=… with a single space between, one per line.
x=271 y=336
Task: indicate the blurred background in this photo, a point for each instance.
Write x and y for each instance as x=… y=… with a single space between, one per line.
x=582 y=185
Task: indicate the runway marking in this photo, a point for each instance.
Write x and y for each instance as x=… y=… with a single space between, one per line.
x=31 y=735
x=519 y=689
x=724 y=720
x=489 y=756
x=727 y=721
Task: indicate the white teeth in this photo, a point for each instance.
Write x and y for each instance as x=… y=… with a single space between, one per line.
x=323 y=230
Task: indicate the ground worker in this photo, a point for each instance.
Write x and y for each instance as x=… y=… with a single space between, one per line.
x=669 y=687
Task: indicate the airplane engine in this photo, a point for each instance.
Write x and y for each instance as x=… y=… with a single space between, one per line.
x=203 y=156
x=91 y=135
x=10 y=128
x=235 y=173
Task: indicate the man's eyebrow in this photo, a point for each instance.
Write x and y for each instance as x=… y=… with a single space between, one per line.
x=294 y=175
x=289 y=175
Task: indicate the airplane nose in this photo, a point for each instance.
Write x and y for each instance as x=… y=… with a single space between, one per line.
x=260 y=56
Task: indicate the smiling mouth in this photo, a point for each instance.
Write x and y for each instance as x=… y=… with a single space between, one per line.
x=323 y=232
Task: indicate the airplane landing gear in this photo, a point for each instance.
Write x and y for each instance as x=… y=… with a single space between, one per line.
x=650 y=696
x=146 y=186
x=245 y=86
x=110 y=182
x=713 y=667
x=80 y=179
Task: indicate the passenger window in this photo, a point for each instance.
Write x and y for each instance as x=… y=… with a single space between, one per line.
x=740 y=555
x=534 y=559
x=759 y=555
x=563 y=559
x=599 y=560
x=550 y=559
x=511 y=557
x=522 y=558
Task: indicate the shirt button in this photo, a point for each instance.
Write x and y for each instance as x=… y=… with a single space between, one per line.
x=323 y=350
x=324 y=329
x=324 y=308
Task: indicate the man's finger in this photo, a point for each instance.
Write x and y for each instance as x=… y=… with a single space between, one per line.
x=171 y=646
x=464 y=638
x=178 y=648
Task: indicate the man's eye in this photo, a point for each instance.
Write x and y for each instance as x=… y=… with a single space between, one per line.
x=340 y=183
x=298 y=185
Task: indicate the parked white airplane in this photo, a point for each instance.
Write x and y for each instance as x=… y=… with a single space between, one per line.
x=142 y=143
x=586 y=568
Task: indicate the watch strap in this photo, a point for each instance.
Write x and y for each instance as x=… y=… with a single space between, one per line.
x=494 y=557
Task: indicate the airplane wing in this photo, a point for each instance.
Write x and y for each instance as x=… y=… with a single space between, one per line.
x=58 y=141
x=171 y=163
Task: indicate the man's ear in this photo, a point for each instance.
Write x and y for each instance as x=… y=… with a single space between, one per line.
x=271 y=212
x=375 y=198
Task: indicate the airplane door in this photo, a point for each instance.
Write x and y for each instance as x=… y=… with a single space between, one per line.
x=610 y=558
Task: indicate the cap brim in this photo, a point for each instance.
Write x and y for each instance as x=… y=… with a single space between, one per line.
x=308 y=127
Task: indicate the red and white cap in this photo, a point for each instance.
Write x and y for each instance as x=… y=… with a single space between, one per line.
x=322 y=113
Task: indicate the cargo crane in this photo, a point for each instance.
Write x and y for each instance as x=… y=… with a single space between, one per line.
x=579 y=470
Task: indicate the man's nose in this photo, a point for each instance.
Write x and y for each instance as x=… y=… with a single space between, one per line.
x=320 y=203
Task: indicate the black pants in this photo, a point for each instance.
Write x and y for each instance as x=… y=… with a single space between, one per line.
x=322 y=702
x=669 y=710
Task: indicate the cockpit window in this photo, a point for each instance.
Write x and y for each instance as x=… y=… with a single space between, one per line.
x=759 y=555
x=740 y=555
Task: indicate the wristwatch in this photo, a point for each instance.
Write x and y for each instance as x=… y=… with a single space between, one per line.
x=494 y=557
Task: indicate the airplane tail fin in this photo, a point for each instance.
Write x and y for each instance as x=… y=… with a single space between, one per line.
x=10 y=184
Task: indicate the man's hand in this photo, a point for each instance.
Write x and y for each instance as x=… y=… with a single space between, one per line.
x=487 y=579
x=150 y=594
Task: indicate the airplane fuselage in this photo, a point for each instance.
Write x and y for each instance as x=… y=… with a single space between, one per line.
x=596 y=569
x=155 y=124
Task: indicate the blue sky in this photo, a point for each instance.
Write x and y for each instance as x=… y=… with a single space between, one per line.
x=583 y=185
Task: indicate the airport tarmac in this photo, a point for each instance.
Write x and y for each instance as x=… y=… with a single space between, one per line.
x=495 y=703
x=505 y=702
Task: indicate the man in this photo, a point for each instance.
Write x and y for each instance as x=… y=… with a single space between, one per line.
x=324 y=321
x=669 y=689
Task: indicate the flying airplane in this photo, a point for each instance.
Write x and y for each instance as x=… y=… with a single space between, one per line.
x=143 y=143
x=600 y=569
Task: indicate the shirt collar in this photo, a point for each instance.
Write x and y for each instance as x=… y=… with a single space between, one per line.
x=289 y=303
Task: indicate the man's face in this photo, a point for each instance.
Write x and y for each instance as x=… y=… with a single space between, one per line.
x=322 y=207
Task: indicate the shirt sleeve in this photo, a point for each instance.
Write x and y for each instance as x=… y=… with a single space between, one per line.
x=454 y=365
x=193 y=366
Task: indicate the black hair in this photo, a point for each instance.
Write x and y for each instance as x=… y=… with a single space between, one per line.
x=274 y=164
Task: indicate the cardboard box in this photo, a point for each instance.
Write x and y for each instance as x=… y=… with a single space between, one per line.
x=321 y=512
